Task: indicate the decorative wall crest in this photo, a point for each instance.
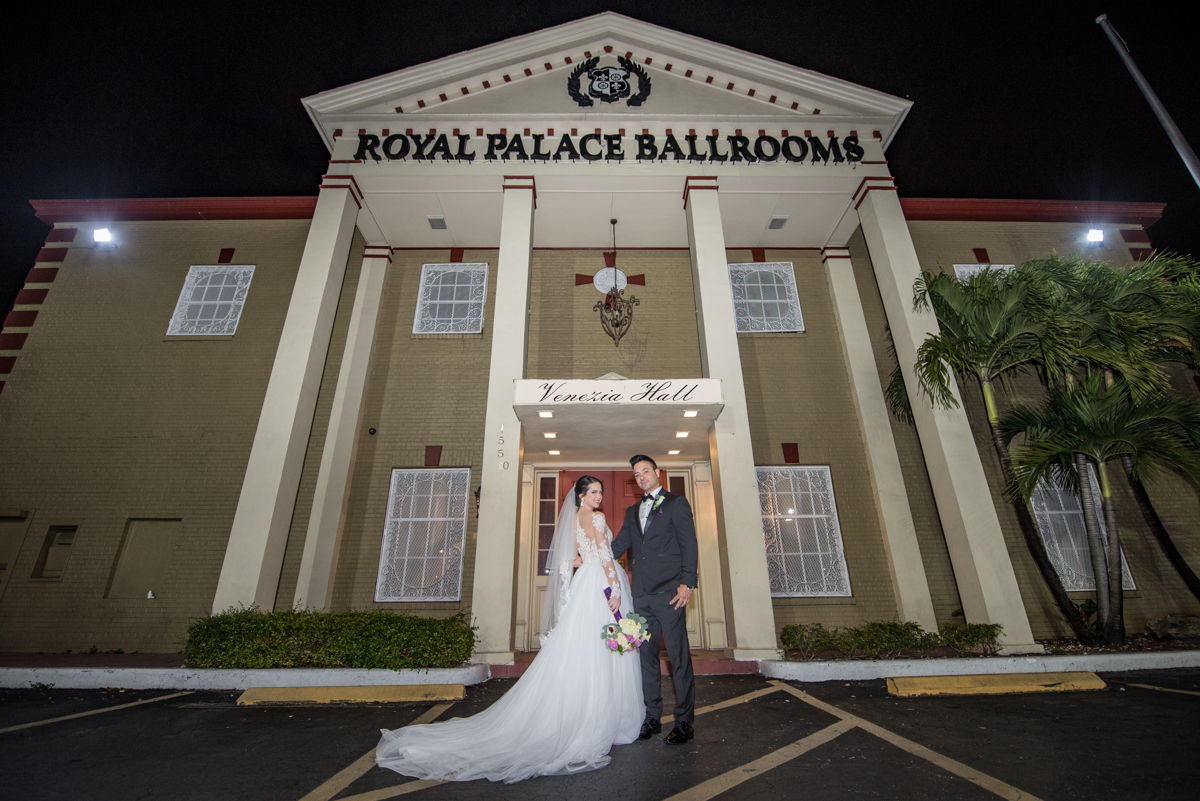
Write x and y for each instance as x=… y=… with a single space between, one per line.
x=608 y=84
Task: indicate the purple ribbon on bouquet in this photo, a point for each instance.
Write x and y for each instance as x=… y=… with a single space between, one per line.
x=608 y=597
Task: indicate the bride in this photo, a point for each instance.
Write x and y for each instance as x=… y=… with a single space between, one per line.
x=576 y=700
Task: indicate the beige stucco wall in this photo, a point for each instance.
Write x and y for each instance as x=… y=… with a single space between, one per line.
x=565 y=337
x=104 y=420
x=798 y=390
x=422 y=390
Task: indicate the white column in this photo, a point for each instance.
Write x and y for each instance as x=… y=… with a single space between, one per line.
x=751 y=618
x=322 y=543
x=712 y=588
x=254 y=554
x=982 y=568
x=913 y=602
x=500 y=482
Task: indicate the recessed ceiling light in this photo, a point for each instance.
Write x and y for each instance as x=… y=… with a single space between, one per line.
x=549 y=435
x=680 y=434
x=102 y=235
x=545 y=414
x=437 y=223
x=672 y=453
x=777 y=223
x=555 y=453
x=690 y=414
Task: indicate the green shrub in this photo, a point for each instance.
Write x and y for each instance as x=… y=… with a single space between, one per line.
x=888 y=639
x=249 y=638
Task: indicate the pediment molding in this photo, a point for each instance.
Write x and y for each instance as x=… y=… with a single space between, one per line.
x=752 y=86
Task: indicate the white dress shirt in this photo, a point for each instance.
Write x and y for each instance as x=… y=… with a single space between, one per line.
x=644 y=509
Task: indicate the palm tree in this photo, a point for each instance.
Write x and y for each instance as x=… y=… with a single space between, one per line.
x=991 y=326
x=1129 y=322
x=1089 y=422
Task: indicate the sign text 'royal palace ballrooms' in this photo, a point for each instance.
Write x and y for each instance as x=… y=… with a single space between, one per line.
x=502 y=146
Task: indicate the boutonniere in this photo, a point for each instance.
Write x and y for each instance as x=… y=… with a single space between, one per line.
x=657 y=503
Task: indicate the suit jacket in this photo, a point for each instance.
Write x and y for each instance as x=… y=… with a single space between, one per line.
x=665 y=554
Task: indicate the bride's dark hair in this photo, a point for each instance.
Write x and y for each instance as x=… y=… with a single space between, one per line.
x=581 y=486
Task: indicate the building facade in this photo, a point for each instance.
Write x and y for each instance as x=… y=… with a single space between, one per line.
x=377 y=397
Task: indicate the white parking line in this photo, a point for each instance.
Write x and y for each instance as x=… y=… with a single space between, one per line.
x=94 y=712
x=1164 y=689
x=348 y=775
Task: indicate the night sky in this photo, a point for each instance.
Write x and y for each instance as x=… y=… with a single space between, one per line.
x=1011 y=100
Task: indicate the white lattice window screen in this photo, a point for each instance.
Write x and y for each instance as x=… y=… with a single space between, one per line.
x=765 y=297
x=211 y=301
x=1059 y=515
x=964 y=271
x=423 y=537
x=450 y=299
x=803 y=536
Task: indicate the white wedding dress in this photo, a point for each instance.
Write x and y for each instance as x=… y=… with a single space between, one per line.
x=575 y=702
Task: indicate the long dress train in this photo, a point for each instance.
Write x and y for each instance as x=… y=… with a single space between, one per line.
x=576 y=700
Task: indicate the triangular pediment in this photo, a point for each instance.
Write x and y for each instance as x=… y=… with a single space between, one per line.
x=528 y=78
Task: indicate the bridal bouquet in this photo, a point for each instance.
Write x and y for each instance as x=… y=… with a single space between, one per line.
x=625 y=634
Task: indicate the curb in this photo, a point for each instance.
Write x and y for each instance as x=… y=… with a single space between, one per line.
x=217 y=679
x=860 y=670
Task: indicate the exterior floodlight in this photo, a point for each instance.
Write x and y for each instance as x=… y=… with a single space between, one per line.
x=1095 y=235
x=102 y=235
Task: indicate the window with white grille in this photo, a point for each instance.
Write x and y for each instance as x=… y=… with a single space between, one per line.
x=1059 y=515
x=965 y=271
x=803 y=537
x=211 y=301
x=765 y=297
x=450 y=299
x=423 y=537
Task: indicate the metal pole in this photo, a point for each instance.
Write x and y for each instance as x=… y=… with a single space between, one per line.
x=1181 y=144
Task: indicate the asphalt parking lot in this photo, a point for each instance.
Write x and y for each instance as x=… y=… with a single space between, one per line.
x=758 y=739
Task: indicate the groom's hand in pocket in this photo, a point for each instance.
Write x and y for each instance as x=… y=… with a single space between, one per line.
x=682 y=596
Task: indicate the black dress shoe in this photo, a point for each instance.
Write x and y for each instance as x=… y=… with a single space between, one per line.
x=650 y=727
x=680 y=734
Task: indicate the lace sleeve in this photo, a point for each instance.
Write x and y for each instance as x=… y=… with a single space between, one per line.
x=601 y=532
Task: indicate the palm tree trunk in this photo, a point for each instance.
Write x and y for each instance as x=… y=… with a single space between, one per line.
x=1097 y=548
x=1114 y=626
x=1033 y=539
x=1155 y=524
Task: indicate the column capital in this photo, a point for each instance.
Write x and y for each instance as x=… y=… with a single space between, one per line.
x=521 y=182
x=697 y=182
x=872 y=182
x=343 y=182
x=831 y=253
x=378 y=252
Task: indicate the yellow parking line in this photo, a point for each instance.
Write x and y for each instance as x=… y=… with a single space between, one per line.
x=1164 y=689
x=741 y=699
x=94 y=712
x=719 y=784
x=989 y=783
x=348 y=775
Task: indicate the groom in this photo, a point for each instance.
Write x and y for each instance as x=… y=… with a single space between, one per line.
x=662 y=535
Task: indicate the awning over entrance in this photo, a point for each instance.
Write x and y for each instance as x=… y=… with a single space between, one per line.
x=607 y=421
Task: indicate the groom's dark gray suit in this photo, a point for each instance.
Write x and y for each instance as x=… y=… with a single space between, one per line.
x=664 y=556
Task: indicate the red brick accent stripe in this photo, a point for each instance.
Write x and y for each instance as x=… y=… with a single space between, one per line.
x=51 y=254
x=1141 y=254
x=31 y=297
x=639 y=279
x=581 y=279
x=20 y=319
x=433 y=455
x=41 y=275
x=990 y=210
x=175 y=208
x=456 y=255
x=13 y=341
x=62 y=234
x=1135 y=235
x=1 y=386
x=6 y=364
x=226 y=256
x=758 y=254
